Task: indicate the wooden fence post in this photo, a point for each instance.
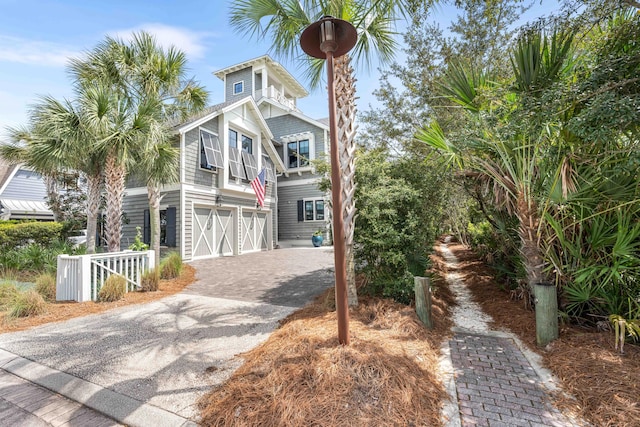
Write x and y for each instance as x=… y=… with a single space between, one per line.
x=423 y=300
x=546 y=313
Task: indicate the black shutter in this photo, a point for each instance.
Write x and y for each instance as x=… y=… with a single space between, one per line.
x=300 y=210
x=146 y=230
x=171 y=227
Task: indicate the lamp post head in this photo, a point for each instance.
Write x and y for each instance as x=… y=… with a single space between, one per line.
x=328 y=34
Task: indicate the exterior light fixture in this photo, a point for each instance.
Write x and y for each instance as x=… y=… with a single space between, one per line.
x=218 y=200
x=331 y=38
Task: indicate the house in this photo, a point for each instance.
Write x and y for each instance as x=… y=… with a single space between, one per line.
x=212 y=210
x=23 y=193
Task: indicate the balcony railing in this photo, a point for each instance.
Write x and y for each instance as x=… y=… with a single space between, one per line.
x=272 y=93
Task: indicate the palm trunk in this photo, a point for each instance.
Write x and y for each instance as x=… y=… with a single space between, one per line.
x=51 y=183
x=543 y=292
x=153 y=193
x=94 y=182
x=346 y=113
x=115 y=174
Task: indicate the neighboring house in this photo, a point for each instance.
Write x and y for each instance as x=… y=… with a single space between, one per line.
x=212 y=211
x=23 y=193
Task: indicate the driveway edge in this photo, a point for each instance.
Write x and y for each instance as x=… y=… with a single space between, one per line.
x=121 y=408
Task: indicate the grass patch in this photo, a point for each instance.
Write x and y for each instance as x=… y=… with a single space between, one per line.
x=46 y=286
x=8 y=292
x=171 y=266
x=25 y=304
x=150 y=281
x=113 y=288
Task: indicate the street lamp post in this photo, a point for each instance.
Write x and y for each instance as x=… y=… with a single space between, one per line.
x=331 y=38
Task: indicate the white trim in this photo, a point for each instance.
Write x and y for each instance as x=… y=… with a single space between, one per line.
x=298 y=182
x=139 y=191
x=294 y=113
x=183 y=202
x=10 y=177
x=297 y=137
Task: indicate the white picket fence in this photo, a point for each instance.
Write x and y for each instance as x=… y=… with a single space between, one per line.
x=80 y=277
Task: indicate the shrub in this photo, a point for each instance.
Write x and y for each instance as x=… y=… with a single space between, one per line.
x=46 y=286
x=42 y=233
x=138 y=244
x=28 y=303
x=149 y=281
x=113 y=288
x=171 y=266
x=8 y=292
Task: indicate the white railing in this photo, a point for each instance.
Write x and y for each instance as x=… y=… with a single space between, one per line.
x=273 y=93
x=80 y=277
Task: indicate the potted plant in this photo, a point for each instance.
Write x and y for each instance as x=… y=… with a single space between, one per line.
x=317 y=238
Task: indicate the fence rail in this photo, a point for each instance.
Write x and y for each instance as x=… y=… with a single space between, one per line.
x=80 y=277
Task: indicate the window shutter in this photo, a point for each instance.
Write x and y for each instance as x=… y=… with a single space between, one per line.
x=171 y=227
x=146 y=230
x=300 y=210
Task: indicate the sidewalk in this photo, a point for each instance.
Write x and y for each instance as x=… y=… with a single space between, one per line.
x=493 y=379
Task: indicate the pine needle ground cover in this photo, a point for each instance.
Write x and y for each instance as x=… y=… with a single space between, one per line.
x=302 y=376
x=605 y=384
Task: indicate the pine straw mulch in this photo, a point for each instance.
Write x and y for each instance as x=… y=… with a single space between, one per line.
x=64 y=310
x=605 y=384
x=302 y=376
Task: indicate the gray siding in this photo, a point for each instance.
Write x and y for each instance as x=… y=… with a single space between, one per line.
x=245 y=75
x=286 y=125
x=26 y=185
x=193 y=173
x=134 y=207
x=289 y=226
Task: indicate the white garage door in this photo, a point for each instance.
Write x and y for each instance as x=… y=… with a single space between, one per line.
x=212 y=232
x=255 y=231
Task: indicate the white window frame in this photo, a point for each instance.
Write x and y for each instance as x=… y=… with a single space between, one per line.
x=233 y=87
x=200 y=151
x=314 y=200
x=297 y=138
x=250 y=171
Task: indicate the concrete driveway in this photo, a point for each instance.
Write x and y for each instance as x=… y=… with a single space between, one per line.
x=167 y=353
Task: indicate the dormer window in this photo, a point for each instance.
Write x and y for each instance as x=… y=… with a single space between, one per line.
x=238 y=88
x=298 y=152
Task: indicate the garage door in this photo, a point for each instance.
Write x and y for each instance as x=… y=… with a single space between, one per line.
x=212 y=232
x=255 y=231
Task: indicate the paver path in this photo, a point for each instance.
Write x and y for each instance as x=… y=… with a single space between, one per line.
x=496 y=384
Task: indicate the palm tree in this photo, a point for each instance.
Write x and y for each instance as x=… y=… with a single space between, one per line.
x=156 y=76
x=508 y=161
x=152 y=80
x=283 y=21
x=57 y=134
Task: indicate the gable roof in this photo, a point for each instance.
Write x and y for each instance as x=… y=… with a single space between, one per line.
x=322 y=123
x=292 y=84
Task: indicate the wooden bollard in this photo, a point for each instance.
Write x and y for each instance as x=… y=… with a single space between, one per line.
x=423 y=300
x=546 y=313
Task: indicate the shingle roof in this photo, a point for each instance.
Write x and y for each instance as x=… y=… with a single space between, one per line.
x=177 y=123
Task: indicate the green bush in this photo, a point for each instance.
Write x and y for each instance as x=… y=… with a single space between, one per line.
x=16 y=235
x=46 y=286
x=113 y=288
x=171 y=266
x=150 y=281
x=28 y=303
x=8 y=292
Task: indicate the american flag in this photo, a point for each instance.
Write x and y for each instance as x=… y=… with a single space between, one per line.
x=259 y=187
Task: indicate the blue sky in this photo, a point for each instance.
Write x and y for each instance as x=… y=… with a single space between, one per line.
x=37 y=37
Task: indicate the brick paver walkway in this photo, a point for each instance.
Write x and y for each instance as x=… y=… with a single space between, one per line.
x=497 y=386
x=24 y=404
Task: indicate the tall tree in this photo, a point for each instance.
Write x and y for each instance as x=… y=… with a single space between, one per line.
x=283 y=21
x=150 y=82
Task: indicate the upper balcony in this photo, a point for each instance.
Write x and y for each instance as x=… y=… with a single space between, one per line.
x=271 y=92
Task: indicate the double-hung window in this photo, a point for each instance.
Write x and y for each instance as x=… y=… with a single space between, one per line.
x=314 y=210
x=210 y=152
x=298 y=153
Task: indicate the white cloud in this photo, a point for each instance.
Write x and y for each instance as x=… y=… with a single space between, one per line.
x=193 y=43
x=24 y=51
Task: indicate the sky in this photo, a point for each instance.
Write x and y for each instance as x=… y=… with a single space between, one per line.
x=38 y=36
